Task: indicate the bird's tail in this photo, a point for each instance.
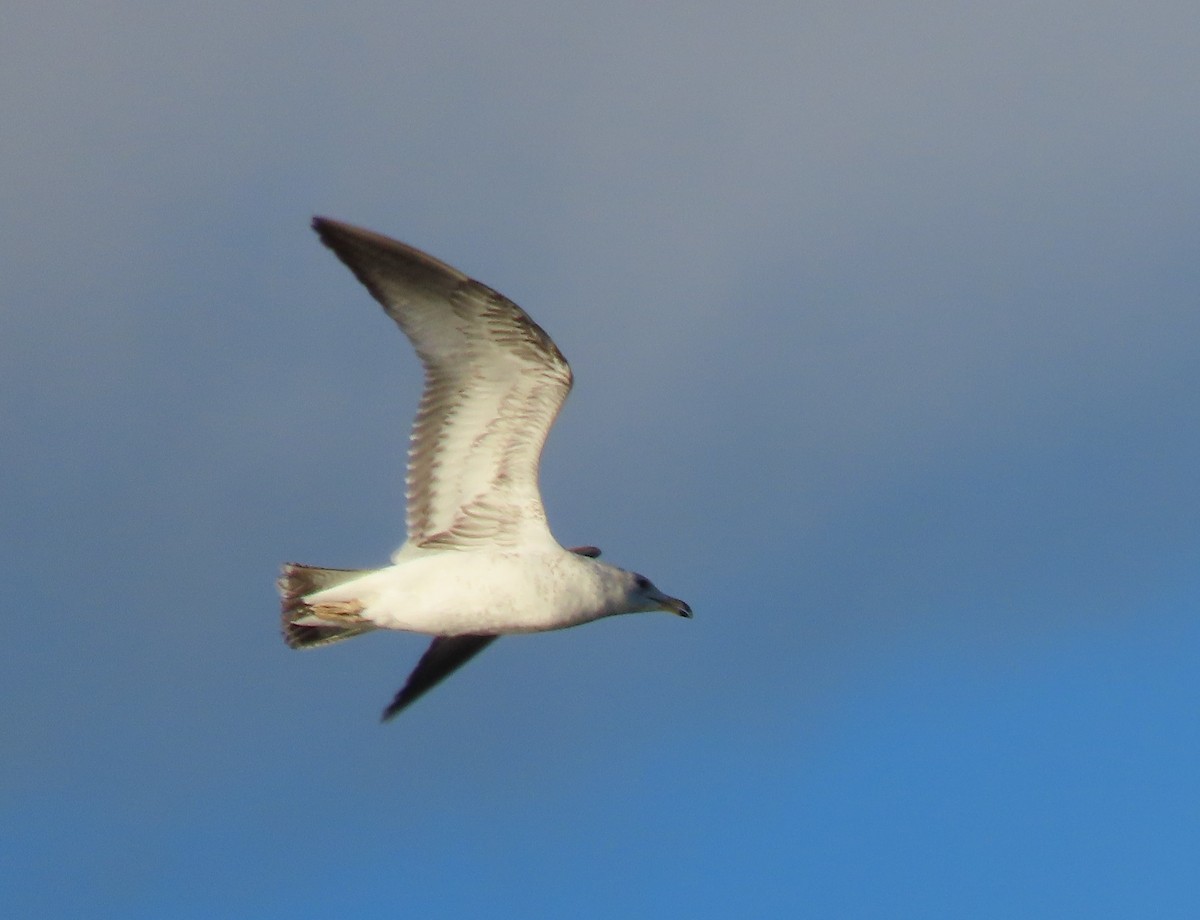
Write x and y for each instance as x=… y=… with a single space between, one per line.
x=310 y=625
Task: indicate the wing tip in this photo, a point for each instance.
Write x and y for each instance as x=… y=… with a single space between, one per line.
x=333 y=231
x=352 y=243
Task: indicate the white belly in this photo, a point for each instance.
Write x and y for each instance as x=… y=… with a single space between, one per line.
x=453 y=593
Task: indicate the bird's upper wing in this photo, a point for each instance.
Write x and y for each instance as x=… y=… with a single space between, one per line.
x=494 y=383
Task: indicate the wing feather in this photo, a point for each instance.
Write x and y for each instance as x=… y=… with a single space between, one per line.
x=494 y=384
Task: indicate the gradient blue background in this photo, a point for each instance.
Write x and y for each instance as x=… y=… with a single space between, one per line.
x=885 y=325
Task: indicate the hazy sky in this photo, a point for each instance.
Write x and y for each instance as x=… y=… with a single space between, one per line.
x=884 y=320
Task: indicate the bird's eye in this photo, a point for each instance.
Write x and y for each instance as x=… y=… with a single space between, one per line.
x=642 y=582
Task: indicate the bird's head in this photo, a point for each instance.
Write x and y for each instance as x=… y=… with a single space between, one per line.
x=644 y=597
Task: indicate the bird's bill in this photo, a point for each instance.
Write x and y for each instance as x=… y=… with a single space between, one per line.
x=674 y=605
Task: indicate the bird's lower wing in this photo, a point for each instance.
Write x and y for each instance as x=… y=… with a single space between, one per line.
x=445 y=655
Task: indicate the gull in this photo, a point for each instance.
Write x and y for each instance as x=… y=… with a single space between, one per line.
x=478 y=560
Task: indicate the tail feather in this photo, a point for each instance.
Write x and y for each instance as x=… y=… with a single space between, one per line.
x=309 y=626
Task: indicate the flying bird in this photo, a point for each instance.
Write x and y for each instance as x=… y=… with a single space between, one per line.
x=478 y=560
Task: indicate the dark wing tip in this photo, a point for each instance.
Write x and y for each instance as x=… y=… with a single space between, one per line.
x=335 y=233
x=327 y=228
x=353 y=244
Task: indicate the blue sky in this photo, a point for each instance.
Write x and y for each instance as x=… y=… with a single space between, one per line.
x=884 y=322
